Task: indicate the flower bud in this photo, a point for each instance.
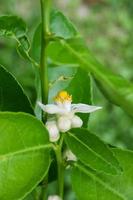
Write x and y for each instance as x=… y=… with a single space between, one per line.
x=64 y=124
x=53 y=131
x=68 y=155
x=54 y=197
x=76 y=122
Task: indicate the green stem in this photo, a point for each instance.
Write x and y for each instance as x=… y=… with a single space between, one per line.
x=45 y=15
x=60 y=167
x=44 y=189
x=45 y=32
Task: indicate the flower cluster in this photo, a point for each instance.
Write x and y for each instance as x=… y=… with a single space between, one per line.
x=63 y=114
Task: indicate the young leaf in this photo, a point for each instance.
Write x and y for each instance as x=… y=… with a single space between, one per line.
x=12 y=97
x=102 y=186
x=90 y=150
x=24 y=154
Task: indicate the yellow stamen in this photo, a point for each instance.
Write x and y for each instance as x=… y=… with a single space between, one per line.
x=63 y=96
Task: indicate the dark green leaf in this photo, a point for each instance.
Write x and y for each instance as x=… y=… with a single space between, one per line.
x=90 y=150
x=24 y=154
x=12 y=97
x=102 y=187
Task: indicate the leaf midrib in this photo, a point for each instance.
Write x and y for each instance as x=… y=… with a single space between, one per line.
x=95 y=153
x=100 y=181
x=4 y=157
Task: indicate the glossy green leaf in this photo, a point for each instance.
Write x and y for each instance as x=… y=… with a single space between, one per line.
x=101 y=186
x=90 y=150
x=24 y=154
x=12 y=97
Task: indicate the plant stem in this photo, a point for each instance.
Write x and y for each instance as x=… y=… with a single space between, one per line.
x=45 y=32
x=61 y=168
x=45 y=12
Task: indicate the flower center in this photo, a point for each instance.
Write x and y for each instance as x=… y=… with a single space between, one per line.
x=62 y=97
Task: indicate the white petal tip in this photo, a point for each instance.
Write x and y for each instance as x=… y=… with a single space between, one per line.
x=40 y=105
x=99 y=107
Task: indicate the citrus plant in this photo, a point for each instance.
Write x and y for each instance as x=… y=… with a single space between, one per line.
x=39 y=143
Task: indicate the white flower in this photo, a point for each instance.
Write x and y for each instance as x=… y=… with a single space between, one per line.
x=54 y=197
x=64 y=112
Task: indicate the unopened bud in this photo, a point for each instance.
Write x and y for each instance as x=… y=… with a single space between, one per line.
x=64 y=124
x=76 y=122
x=68 y=155
x=53 y=131
x=54 y=197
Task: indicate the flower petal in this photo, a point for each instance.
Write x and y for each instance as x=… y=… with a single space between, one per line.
x=50 y=108
x=84 y=108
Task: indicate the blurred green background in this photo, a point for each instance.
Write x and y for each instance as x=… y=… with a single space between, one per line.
x=107 y=27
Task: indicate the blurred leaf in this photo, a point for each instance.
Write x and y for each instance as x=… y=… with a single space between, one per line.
x=12 y=97
x=89 y=149
x=12 y=26
x=102 y=186
x=24 y=154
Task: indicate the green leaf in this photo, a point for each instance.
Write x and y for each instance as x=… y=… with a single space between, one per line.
x=61 y=26
x=12 y=26
x=12 y=97
x=80 y=88
x=15 y=27
x=60 y=78
x=90 y=150
x=24 y=154
x=115 y=88
x=102 y=186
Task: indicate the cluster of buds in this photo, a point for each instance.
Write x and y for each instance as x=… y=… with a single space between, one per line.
x=63 y=114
